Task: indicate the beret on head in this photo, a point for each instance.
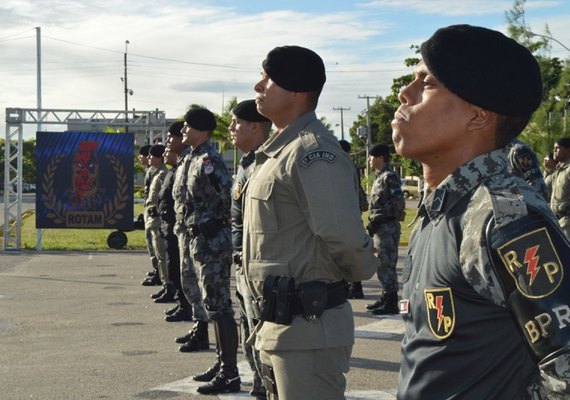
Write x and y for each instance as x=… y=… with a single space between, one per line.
x=157 y=150
x=379 y=150
x=176 y=128
x=201 y=119
x=345 y=145
x=143 y=151
x=247 y=110
x=485 y=68
x=295 y=68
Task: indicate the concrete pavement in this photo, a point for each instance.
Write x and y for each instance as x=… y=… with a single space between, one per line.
x=78 y=325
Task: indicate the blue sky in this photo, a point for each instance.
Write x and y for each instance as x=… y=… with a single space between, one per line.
x=191 y=51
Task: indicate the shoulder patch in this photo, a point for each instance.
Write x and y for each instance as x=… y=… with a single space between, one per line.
x=317 y=155
x=207 y=164
x=532 y=261
x=440 y=311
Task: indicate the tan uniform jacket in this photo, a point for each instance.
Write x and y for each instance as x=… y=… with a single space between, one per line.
x=302 y=219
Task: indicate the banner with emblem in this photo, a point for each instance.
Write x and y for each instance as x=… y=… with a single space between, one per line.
x=84 y=180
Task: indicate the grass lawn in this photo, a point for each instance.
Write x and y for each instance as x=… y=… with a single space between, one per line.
x=96 y=239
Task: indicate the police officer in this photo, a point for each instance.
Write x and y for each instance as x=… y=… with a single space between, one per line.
x=197 y=338
x=153 y=221
x=484 y=269
x=303 y=236
x=249 y=129
x=560 y=201
x=385 y=211
x=152 y=278
x=207 y=220
x=168 y=218
x=355 y=290
x=524 y=163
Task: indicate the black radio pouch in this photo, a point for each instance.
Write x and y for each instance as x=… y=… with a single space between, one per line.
x=277 y=299
x=313 y=297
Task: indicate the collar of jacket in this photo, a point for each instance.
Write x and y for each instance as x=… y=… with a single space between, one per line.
x=278 y=141
x=462 y=181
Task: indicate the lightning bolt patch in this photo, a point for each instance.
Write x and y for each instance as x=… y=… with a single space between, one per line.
x=439 y=307
x=531 y=260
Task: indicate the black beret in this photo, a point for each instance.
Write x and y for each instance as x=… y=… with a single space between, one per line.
x=176 y=128
x=379 y=150
x=295 y=68
x=201 y=119
x=143 y=151
x=247 y=110
x=345 y=145
x=157 y=150
x=485 y=68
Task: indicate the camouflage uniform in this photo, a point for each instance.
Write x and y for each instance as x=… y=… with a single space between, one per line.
x=523 y=163
x=188 y=276
x=150 y=171
x=208 y=185
x=560 y=200
x=453 y=305
x=152 y=223
x=384 y=213
x=244 y=294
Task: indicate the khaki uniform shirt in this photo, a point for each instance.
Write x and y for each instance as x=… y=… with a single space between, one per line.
x=302 y=219
x=560 y=200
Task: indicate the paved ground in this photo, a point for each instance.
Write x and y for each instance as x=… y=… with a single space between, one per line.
x=80 y=326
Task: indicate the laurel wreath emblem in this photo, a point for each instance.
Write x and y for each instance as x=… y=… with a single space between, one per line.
x=111 y=209
x=50 y=201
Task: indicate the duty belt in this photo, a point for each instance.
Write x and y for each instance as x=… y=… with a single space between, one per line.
x=207 y=229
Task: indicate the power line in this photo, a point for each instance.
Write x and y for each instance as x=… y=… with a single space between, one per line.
x=15 y=34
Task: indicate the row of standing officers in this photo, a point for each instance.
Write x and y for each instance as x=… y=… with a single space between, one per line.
x=474 y=291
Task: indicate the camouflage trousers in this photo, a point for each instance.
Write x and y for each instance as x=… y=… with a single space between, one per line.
x=188 y=278
x=212 y=260
x=150 y=249
x=159 y=247
x=386 y=241
x=245 y=299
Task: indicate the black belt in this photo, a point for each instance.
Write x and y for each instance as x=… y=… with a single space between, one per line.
x=336 y=295
x=207 y=229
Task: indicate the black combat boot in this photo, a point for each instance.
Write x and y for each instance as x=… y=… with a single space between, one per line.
x=227 y=380
x=389 y=306
x=356 y=291
x=211 y=372
x=168 y=294
x=198 y=338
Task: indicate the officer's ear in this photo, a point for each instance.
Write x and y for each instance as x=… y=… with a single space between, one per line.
x=481 y=119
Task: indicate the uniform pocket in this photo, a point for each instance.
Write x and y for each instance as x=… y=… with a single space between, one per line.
x=262 y=217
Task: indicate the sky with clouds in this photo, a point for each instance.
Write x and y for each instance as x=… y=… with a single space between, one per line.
x=206 y=52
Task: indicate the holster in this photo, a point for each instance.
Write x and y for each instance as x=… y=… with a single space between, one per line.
x=207 y=229
x=281 y=300
x=277 y=299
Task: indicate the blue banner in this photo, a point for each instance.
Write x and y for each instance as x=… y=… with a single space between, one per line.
x=84 y=180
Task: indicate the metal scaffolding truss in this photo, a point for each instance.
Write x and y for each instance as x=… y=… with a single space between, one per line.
x=152 y=123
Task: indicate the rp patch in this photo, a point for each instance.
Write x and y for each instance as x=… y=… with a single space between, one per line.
x=533 y=263
x=440 y=311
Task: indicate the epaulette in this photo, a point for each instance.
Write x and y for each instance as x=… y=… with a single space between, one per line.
x=308 y=140
x=507 y=201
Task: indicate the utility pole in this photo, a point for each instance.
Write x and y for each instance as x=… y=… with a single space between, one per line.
x=341 y=119
x=368 y=137
x=126 y=90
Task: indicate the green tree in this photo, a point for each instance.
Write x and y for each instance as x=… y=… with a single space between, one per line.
x=549 y=122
